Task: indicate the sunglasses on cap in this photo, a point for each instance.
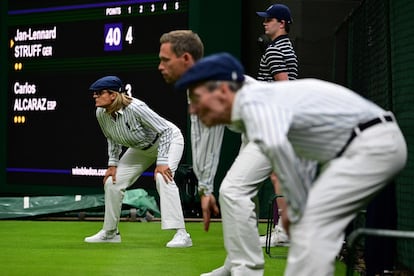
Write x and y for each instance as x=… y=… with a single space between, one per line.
x=100 y=92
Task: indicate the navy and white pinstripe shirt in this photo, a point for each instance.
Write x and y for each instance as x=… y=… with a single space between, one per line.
x=279 y=57
x=307 y=118
x=135 y=126
x=206 y=146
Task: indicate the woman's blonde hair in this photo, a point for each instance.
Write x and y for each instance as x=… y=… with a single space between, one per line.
x=121 y=100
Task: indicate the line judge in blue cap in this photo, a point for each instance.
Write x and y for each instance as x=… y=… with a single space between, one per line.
x=128 y=122
x=359 y=144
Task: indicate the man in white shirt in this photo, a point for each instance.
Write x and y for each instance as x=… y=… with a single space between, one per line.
x=179 y=51
x=359 y=144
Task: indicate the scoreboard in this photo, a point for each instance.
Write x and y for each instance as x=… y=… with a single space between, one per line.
x=56 y=49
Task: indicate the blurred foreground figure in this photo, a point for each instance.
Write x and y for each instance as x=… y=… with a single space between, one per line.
x=358 y=143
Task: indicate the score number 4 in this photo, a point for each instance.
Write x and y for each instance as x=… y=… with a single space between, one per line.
x=113 y=36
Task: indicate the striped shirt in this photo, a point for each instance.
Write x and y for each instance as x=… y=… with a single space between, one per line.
x=279 y=57
x=306 y=118
x=135 y=126
x=206 y=146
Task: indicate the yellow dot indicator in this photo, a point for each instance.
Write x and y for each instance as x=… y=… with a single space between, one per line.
x=18 y=66
x=19 y=119
x=11 y=43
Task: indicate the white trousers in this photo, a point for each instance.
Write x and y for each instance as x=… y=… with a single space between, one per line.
x=237 y=193
x=345 y=185
x=131 y=165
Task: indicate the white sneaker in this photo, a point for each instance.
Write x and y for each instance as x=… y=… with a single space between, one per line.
x=272 y=240
x=278 y=238
x=102 y=236
x=221 y=271
x=282 y=237
x=180 y=240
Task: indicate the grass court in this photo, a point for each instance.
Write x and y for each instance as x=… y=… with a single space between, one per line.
x=57 y=248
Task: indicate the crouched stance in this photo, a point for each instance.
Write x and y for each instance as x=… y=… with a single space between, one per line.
x=149 y=138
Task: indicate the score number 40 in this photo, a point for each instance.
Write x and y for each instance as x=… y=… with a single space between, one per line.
x=113 y=36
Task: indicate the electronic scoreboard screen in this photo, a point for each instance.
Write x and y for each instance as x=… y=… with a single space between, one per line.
x=56 y=50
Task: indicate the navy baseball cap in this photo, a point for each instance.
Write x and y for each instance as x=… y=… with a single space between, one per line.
x=278 y=11
x=220 y=66
x=108 y=82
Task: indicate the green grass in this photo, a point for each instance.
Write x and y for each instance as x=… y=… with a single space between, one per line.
x=57 y=248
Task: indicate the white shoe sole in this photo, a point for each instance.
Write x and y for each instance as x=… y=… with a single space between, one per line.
x=179 y=245
x=113 y=240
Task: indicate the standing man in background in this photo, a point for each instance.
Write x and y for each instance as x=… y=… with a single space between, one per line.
x=278 y=63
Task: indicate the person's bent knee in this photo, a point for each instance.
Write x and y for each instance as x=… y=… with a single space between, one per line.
x=228 y=194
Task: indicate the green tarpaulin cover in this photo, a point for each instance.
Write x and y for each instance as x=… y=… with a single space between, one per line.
x=19 y=207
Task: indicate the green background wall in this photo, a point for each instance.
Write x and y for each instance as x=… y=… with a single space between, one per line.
x=219 y=28
x=375 y=46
